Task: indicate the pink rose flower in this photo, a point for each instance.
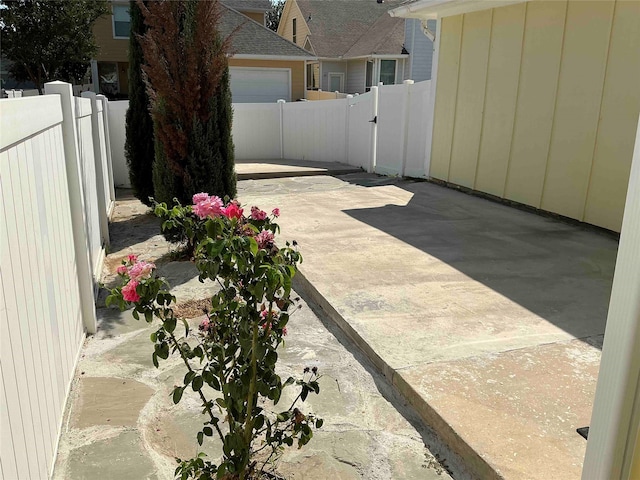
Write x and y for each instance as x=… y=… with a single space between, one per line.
x=208 y=207
x=129 y=291
x=232 y=210
x=275 y=212
x=205 y=325
x=141 y=270
x=121 y=270
x=200 y=197
x=258 y=214
x=265 y=239
x=133 y=259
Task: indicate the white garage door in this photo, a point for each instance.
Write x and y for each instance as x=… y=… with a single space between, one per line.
x=260 y=85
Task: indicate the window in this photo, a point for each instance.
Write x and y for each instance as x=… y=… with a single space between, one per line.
x=388 y=72
x=295 y=33
x=313 y=76
x=369 y=76
x=121 y=21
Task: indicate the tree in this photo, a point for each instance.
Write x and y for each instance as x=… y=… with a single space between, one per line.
x=139 y=125
x=274 y=14
x=49 y=40
x=187 y=77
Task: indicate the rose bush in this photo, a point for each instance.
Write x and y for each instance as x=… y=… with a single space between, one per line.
x=230 y=360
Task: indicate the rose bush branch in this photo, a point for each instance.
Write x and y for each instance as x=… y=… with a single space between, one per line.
x=233 y=353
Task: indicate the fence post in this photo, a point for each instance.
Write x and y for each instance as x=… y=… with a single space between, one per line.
x=100 y=164
x=374 y=134
x=346 y=128
x=281 y=103
x=107 y=139
x=405 y=129
x=614 y=421
x=76 y=200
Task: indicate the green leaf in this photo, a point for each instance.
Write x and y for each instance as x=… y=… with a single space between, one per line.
x=253 y=246
x=197 y=383
x=109 y=300
x=200 y=438
x=154 y=337
x=319 y=423
x=208 y=431
x=170 y=324
x=148 y=316
x=188 y=378
x=154 y=358
x=186 y=327
x=162 y=349
x=177 y=395
x=135 y=314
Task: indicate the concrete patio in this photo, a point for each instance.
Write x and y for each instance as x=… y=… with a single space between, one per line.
x=489 y=320
x=121 y=424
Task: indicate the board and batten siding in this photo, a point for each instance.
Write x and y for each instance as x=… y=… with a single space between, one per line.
x=41 y=324
x=538 y=103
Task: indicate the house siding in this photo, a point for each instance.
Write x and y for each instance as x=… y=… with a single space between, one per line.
x=110 y=49
x=296 y=67
x=255 y=16
x=420 y=48
x=327 y=67
x=356 y=72
x=538 y=103
x=285 y=29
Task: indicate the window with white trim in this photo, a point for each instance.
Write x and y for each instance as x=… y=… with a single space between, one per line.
x=295 y=31
x=388 y=72
x=121 y=21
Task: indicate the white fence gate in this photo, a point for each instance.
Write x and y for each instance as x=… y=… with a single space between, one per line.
x=49 y=189
x=384 y=130
x=361 y=135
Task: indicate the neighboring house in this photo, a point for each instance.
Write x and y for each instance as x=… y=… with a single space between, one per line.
x=357 y=43
x=536 y=102
x=263 y=66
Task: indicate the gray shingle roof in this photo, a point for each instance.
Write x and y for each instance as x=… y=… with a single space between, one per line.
x=248 y=5
x=351 y=28
x=251 y=38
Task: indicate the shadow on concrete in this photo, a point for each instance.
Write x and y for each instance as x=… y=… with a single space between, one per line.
x=561 y=272
x=447 y=458
x=130 y=231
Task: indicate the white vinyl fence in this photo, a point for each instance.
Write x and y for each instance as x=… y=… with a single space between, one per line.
x=54 y=169
x=382 y=131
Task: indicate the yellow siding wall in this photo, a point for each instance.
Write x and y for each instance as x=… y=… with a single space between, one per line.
x=296 y=67
x=538 y=103
x=285 y=29
x=256 y=16
x=635 y=462
x=110 y=49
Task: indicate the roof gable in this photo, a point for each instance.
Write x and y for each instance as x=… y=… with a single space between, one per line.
x=340 y=28
x=252 y=38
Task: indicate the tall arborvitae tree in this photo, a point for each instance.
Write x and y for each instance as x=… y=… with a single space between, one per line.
x=187 y=77
x=139 y=127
